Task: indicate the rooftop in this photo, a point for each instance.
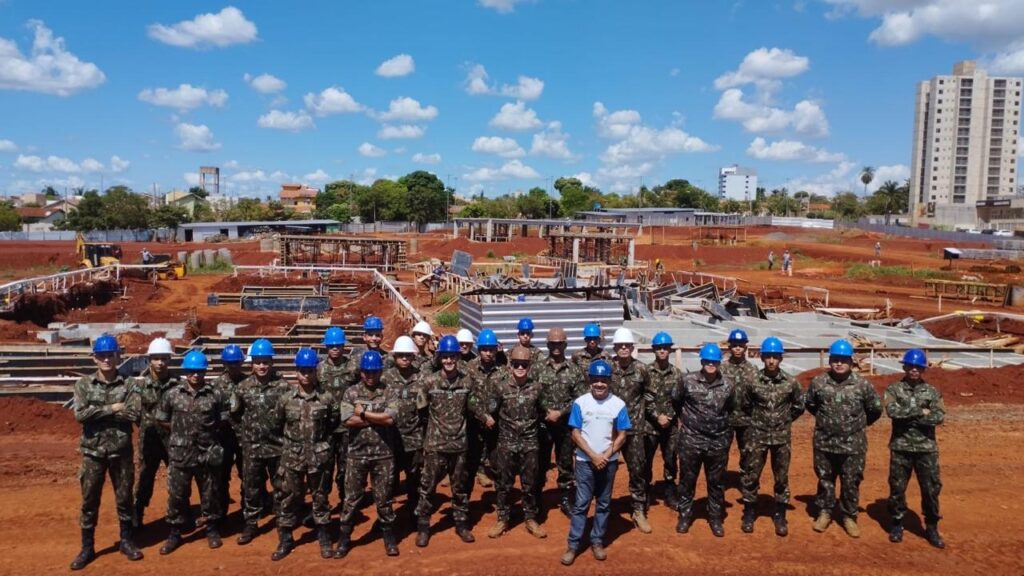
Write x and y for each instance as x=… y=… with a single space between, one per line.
x=272 y=223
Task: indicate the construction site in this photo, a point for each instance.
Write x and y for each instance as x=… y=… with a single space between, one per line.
x=962 y=304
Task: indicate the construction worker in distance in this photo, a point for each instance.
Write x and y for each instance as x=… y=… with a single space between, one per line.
x=743 y=374
x=422 y=334
x=407 y=382
x=915 y=408
x=254 y=410
x=770 y=405
x=106 y=405
x=704 y=399
x=511 y=406
x=334 y=374
x=483 y=371
x=153 y=438
x=231 y=357
x=592 y=348
x=662 y=414
x=307 y=414
x=193 y=413
x=525 y=333
x=631 y=381
x=843 y=404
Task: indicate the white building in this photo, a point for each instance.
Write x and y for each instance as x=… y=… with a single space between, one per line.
x=966 y=127
x=737 y=183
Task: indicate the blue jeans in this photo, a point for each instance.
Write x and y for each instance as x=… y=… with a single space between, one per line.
x=591 y=483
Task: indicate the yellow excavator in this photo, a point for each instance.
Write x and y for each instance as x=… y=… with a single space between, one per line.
x=95 y=254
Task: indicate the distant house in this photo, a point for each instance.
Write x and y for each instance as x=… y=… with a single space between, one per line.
x=200 y=231
x=298 y=197
x=66 y=204
x=35 y=198
x=186 y=200
x=39 y=219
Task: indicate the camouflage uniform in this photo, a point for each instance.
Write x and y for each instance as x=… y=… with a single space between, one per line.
x=371 y=453
x=743 y=374
x=842 y=412
x=254 y=406
x=307 y=421
x=336 y=378
x=770 y=405
x=582 y=358
x=152 y=437
x=561 y=383
x=357 y=353
x=516 y=410
x=663 y=382
x=913 y=447
x=633 y=385
x=704 y=409
x=482 y=441
x=195 y=418
x=411 y=423
x=106 y=444
x=229 y=440
x=446 y=444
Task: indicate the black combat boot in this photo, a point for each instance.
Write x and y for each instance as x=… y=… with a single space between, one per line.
x=462 y=529
x=88 y=552
x=565 y=504
x=749 y=515
x=344 y=542
x=683 y=526
x=213 y=539
x=779 y=518
x=247 y=535
x=717 y=528
x=896 y=532
x=931 y=532
x=423 y=532
x=390 y=542
x=671 y=495
x=285 y=544
x=325 y=542
x=173 y=542
x=127 y=546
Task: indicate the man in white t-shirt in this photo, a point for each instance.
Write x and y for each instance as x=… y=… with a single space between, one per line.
x=598 y=421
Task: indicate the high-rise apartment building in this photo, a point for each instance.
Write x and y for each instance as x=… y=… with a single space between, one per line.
x=737 y=183
x=966 y=129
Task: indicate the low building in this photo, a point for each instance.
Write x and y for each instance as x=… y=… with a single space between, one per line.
x=660 y=216
x=33 y=199
x=186 y=200
x=299 y=197
x=201 y=231
x=39 y=219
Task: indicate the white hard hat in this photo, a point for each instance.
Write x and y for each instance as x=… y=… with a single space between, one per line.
x=160 y=346
x=404 y=345
x=423 y=327
x=623 y=336
x=248 y=353
x=464 y=336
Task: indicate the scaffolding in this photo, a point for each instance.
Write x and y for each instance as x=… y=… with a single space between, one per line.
x=381 y=254
x=604 y=247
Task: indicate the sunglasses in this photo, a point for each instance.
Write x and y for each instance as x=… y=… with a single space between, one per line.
x=520 y=364
x=662 y=348
x=708 y=363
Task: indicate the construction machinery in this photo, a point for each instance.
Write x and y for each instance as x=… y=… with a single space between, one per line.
x=95 y=254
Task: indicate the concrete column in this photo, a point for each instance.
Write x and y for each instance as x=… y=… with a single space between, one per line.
x=455 y=230
x=490 y=229
x=632 y=250
x=576 y=250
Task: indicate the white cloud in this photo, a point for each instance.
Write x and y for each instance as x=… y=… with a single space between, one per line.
x=615 y=124
x=389 y=132
x=227 y=27
x=790 y=150
x=317 y=177
x=51 y=163
x=898 y=173
x=516 y=117
x=118 y=165
x=401 y=65
x=195 y=138
x=232 y=165
x=191 y=178
x=420 y=158
x=552 y=142
x=333 y=100
x=366 y=177
x=91 y=165
x=248 y=176
x=585 y=178
x=525 y=88
x=185 y=97
x=265 y=83
x=501 y=6
x=49 y=68
x=845 y=177
x=408 y=109
x=511 y=169
x=476 y=81
x=504 y=147
x=806 y=117
x=673 y=72
x=764 y=67
x=8 y=146
x=371 y=151
x=291 y=121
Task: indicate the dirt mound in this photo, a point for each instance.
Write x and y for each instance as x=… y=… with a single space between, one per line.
x=28 y=415
x=442 y=248
x=967 y=328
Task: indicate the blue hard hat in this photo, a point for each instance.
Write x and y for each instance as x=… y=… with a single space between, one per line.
x=195 y=360
x=371 y=361
x=373 y=323
x=232 y=353
x=738 y=335
x=772 y=345
x=841 y=348
x=711 y=352
x=261 y=347
x=915 y=357
x=662 y=339
x=525 y=324
x=592 y=331
x=334 y=337
x=105 y=343
x=449 y=344
x=487 y=337
x=599 y=368
x=306 y=358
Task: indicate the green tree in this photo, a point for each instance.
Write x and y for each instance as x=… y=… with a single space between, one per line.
x=88 y=216
x=340 y=212
x=50 y=192
x=779 y=203
x=203 y=212
x=124 y=209
x=427 y=196
x=847 y=205
x=537 y=204
x=10 y=221
x=474 y=209
x=385 y=200
x=890 y=198
x=731 y=206
x=867 y=174
x=686 y=195
x=198 y=192
x=169 y=216
x=574 y=196
x=246 y=210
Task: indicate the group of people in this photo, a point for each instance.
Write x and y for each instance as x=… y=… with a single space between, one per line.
x=435 y=409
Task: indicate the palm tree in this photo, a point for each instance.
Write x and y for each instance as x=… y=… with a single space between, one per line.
x=867 y=174
x=891 y=192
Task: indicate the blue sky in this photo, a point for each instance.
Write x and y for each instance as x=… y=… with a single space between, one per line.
x=492 y=95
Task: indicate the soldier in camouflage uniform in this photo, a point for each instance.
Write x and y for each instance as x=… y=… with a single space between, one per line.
x=705 y=400
x=770 y=405
x=106 y=405
x=843 y=404
x=915 y=408
x=561 y=383
x=631 y=381
x=369 y=411
x=152 y=386
x=466 y=354
x=422 y=335
x=483 y=371
x=253 y=408
x=308 y=414
x=193 y=412
x=232 y=357
x=373 y=338
x=406 y=382
x=445 y=396
x=334 y=374
x=664 y=379
x=743 y=374
x=591 y=349
x=525 y=335
x=512 y=406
